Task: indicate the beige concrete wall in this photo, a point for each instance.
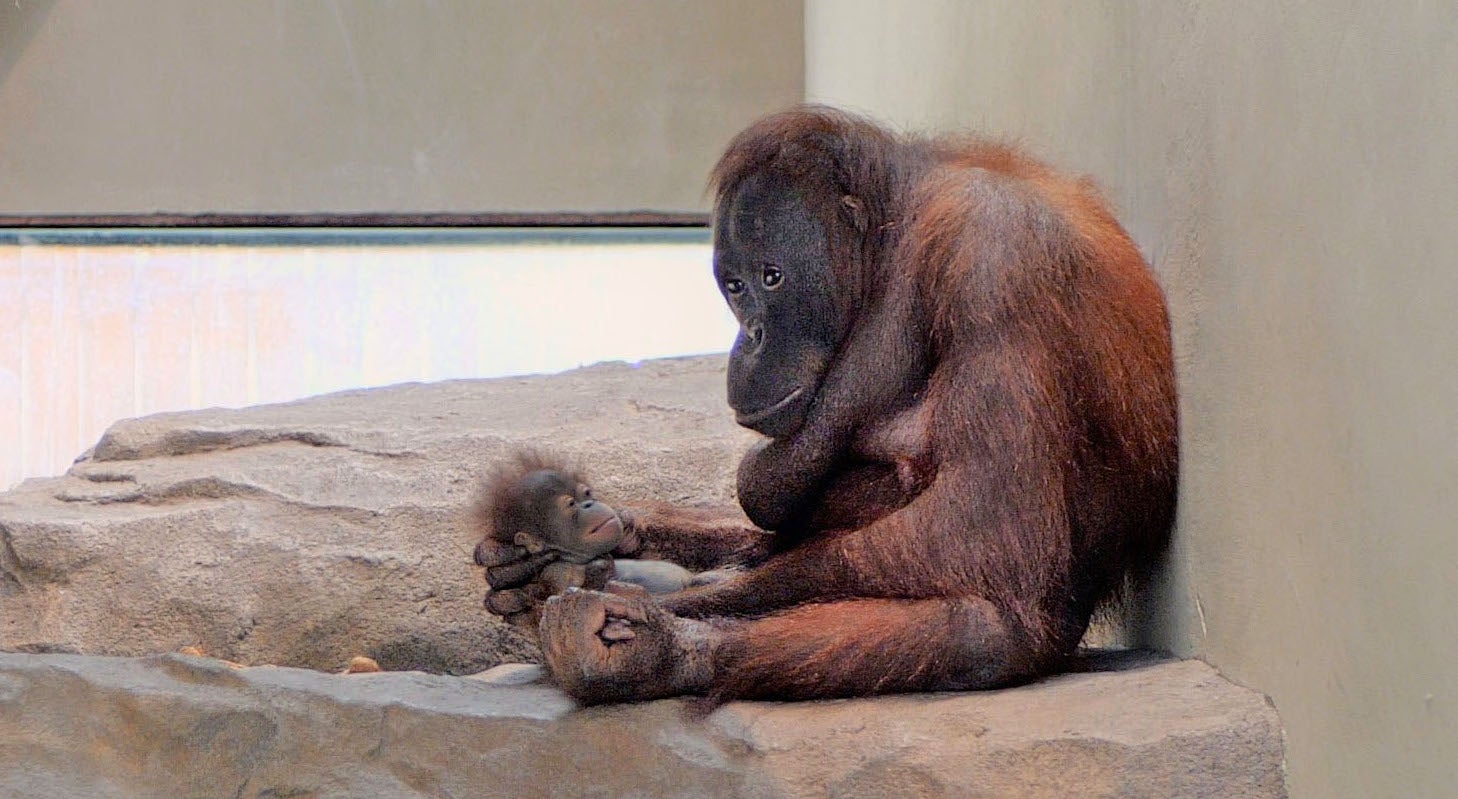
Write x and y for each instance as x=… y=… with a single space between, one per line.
x=1292 y=170
x=320 y=105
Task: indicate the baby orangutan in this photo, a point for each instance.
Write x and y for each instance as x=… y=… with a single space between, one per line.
x=546 y=509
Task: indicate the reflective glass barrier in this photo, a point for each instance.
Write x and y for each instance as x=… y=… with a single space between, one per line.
x=102 y=324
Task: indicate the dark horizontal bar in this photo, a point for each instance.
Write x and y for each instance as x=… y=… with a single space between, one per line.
x=360 y=220
x=349 y=236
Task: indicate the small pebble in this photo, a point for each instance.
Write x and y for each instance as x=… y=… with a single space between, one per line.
x=197 y=651
x=359 y=664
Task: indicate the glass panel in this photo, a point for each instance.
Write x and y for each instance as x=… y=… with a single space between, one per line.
x=106 y=324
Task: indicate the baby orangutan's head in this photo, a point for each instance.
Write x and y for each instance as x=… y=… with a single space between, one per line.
x=539 y=502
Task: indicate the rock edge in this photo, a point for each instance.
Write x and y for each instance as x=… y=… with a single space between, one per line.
x=184 y=726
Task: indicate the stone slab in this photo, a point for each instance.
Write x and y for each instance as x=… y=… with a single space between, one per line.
x=182 y=726
x=307 y=532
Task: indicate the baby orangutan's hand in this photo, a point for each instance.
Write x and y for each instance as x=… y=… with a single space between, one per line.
x=512 y=573
x=519 y=584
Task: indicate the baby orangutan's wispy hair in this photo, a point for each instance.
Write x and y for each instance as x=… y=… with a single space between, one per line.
x=502 y=507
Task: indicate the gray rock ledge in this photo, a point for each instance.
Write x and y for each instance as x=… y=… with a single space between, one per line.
x=303 y=533
x=179 y=726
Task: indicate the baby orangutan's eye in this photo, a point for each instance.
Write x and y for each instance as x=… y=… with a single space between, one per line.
x=566 y=502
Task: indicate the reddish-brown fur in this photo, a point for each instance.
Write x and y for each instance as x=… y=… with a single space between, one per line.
x=1001 y=309
x=500 y=510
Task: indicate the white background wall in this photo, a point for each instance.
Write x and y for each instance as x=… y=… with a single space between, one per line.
x=98 y=333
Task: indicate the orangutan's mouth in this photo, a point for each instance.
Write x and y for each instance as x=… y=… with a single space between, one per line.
x=751 y=419
x=605 y=522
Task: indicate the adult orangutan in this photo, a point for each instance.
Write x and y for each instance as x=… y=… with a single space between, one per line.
x=963 y=366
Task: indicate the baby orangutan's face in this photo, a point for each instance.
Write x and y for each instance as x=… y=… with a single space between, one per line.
x=571 y=521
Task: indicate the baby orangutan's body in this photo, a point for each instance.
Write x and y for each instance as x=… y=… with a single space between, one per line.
x=546 y=508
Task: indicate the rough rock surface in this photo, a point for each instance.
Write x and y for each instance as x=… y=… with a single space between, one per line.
x=76 y=726
x=307 y=532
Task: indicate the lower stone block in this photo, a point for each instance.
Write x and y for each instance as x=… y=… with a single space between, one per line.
x=1131 y=725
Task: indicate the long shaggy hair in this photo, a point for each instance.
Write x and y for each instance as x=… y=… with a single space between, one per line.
x=502 y=507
